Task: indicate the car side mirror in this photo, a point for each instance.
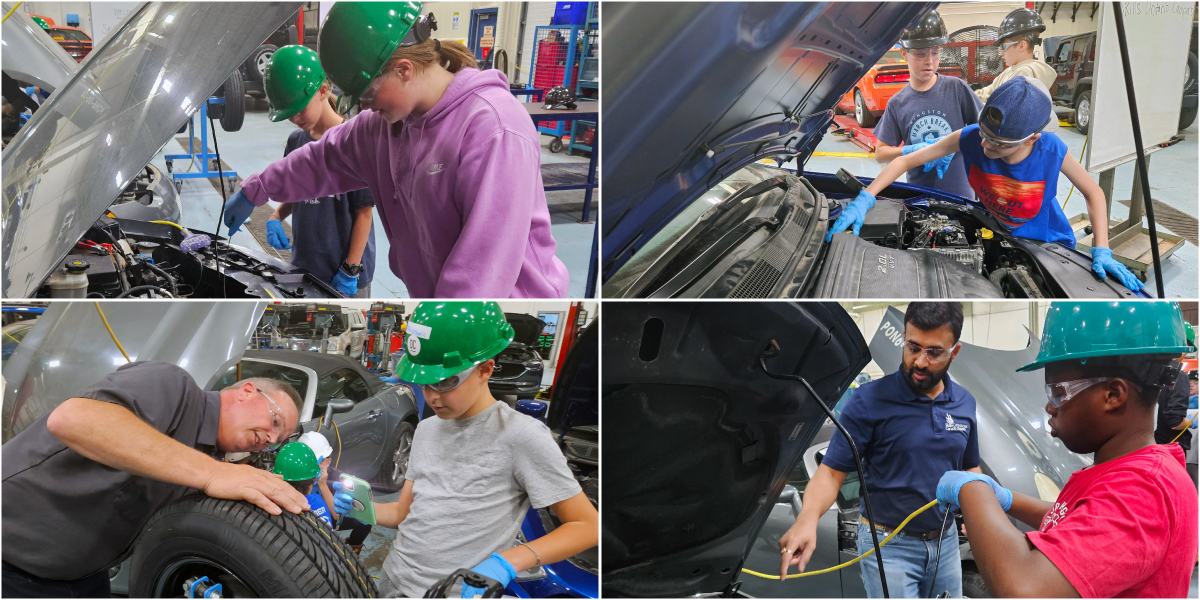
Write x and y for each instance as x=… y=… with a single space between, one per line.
x=790 y=495
x=336 y=406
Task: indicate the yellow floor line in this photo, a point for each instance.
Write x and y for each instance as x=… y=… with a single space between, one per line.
x=846 y=154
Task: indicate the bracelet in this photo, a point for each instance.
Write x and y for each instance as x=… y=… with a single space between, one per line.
x=535 y=555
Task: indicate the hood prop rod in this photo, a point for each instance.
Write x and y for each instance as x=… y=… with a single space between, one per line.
x=772 y=351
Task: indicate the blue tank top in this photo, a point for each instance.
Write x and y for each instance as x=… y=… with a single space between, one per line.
x=1023 y=197
x=317 y=504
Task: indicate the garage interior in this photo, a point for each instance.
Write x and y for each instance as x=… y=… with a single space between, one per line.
x=522 y=39
x=1175 y=197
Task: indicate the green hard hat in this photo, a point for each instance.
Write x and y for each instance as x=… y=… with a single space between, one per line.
x=444 y=338
x=1191 y=336
x=1081 y=330
x=358 y=38
x=292 y=78
x=296 y=462
x=41 y=22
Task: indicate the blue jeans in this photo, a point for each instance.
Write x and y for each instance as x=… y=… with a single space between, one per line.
x=909 y=565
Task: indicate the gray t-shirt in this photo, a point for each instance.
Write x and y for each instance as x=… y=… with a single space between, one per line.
x=912 y=117
x=473 y=481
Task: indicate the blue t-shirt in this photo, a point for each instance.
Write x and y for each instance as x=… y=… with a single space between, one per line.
x=318 y=506
x=1023 y=197
x=913 y=117
x=321 y=228
x=907 y=442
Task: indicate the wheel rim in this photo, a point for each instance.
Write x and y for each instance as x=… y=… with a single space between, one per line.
x=1082 y=112
x=169 y=583
x=400 y=459
x=859 y=109
x=264 y=59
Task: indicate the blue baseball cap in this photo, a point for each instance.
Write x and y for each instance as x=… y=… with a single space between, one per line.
x=1019 y=108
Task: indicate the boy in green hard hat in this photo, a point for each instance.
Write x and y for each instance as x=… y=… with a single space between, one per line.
x=1125 y=526
x=335 y=236
x=475 y=470
x=299 y=467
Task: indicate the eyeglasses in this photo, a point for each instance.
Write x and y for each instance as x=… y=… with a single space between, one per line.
x=925 y=53
x=934 y=354
x=1004 y=144
x=450 y=382
x=276 y=421
x=1060 y=393
x=1006 y=45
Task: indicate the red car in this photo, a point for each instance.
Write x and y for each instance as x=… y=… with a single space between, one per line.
x=869 y=97
x=77 y=43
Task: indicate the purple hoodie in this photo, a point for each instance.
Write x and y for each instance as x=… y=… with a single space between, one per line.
x=459 y=191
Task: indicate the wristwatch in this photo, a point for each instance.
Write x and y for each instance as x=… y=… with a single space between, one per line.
x=352 y=270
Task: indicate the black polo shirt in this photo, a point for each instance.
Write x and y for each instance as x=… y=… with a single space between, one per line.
x=906 y=442
x=66 y=516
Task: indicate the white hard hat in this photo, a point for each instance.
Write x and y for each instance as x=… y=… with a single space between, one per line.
x=320 y=446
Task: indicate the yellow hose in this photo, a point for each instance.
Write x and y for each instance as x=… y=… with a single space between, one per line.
x=110 y=332
x=1180 y=431
x=849 y=562
x=1081 y=151
x=9 y=13
x=11 y=337
x=339 y=437
x=175 y=225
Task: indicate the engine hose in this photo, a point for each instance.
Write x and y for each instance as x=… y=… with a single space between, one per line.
x=849 y=562
x=938 y=561
x=110 y=332
x=170 y=280
x=221 y=216
x=773 y=350
x=145 y=288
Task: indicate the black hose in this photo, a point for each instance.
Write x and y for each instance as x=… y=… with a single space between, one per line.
x=938 y=563
x=145 y=288
x=773 y=350
x=221 y=216
x=165 y=275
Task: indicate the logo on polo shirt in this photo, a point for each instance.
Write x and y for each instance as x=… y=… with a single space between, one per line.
x=952 y=426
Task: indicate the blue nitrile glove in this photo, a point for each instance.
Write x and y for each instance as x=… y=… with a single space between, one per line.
x=910 y=148
x=852 y=215
x=1102 y=262
x=346 y=284
x=342 y=502
x=952 y=481
x=495 y=567
x=392 y=379
x=276 y=236
x=942 y=164
x=237 y=210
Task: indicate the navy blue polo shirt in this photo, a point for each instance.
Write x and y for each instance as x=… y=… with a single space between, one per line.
x=907 y=442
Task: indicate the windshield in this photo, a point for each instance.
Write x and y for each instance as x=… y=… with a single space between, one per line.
x=69 y=35
x=891 y=57
x=648 y=255
x=297 y=378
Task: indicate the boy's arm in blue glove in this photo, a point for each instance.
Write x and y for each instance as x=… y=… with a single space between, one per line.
x=346 y=284
x=343 y=503
x=237 y=210
x=276 y=237
x=495 y=567
x=852 y=215
x=952 y=481
x=1103 y=264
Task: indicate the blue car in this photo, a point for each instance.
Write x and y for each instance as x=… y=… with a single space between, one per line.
x=692 y=212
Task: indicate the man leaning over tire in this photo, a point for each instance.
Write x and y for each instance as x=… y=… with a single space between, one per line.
x=79 y=483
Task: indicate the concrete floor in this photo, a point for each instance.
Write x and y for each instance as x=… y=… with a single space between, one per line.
x=260 y=142
x=1172 y=180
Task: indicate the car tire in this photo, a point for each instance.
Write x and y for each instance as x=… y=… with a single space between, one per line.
x=256 y=65
x=972 y=583
x=391 y=476
x=234 y=92
x=1187 y=116
x=1083 y=111
x=862 y=114
x=1189 y=75
x=245 y=549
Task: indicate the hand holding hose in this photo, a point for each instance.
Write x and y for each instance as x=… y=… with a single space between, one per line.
x=796 y=547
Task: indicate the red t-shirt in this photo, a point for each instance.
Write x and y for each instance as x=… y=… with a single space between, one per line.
x=1126 y=528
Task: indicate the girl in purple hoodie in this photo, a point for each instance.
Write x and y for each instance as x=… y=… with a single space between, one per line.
x=451 y=157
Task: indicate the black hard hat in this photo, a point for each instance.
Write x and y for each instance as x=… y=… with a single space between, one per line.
x=1022 y=20
x=1193 y=375
x=560 y=97
x=929 y=32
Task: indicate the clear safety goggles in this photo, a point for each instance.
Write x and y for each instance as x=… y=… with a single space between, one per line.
x=1004 y=144
x=934 y=354
x=925 y=53
x=1060 y=393
x=450 y=382
x=276 y=421
x=1006 y=45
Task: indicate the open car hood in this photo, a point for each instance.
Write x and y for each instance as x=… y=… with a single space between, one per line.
x=95 y=133
x=698 y=440
x=69 y=348
x=737 y=71
x=575 y=398
x=1014 y=437
x=32 y=56
x=528 y=328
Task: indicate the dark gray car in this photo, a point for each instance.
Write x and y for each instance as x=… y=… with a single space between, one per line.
x=519 y=367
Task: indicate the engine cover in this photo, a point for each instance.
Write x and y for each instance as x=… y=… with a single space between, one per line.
x=856 y=268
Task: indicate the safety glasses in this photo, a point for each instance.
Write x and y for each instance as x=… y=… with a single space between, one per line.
x=367 y=99
x=276 y=421
x=1060 y=393
x=1006 y=45
x=450 y=382
x=934 y=354
x=925 y=53
x=1003 y=144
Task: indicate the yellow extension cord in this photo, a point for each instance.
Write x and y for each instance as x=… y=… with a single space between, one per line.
x=110 y=332
x=9 y=13
x=1181 y=431
x=931 y=504
x=175 y=225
